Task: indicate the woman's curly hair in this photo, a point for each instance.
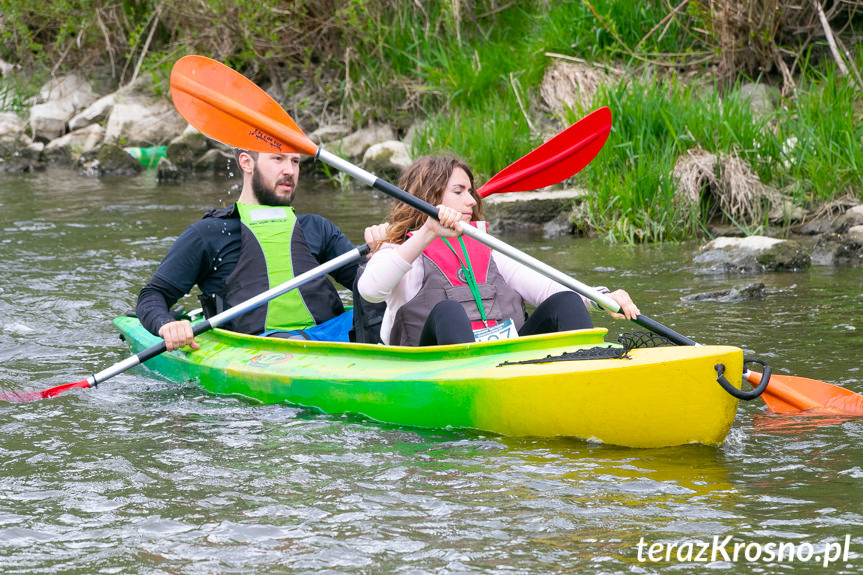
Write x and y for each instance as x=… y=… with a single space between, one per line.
x=426 y=179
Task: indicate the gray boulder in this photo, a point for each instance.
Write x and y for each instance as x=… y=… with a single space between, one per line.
x=750 y=292
x=752 y=254
x=852 y=217
x=168 y=173
x=48 y=120
x=330 y=133
x=387 y=159
x=187 y=148
x=58 y=101
x=69 y=148
x=18 y=153
x=110 y=160
x=355 y=145
x=530 y=210
x=855 y=234
x=72 y=88
x=139 y=119
x=840 y=249
x=217 y=162
x=95 y=113
x=13 y=134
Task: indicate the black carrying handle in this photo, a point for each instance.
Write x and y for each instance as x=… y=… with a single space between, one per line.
x=739 y=393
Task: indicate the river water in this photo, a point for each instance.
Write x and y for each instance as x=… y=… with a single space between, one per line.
x=143 y=476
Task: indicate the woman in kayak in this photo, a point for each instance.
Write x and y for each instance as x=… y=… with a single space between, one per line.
x=442 y=288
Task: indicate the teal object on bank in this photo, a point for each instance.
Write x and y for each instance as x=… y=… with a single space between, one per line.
x=149 y=157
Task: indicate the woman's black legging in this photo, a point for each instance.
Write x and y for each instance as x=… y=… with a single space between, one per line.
x=448 y=322
x=564 y=311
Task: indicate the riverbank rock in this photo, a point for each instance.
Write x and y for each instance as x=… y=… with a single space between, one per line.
x=824 y=219
x=355 y=145
x=851 y=218
x=218 y=163
x=95 y=113
x=750 y=292
x=752 y=254
x=48 y=120
x=67 y=149
x=18 y=152
x=387 y=159
x=329 y=133
x=844 y=249
x=167 y=172
x=187 y=148
x=532 y=210
x=140 y=119
x=13 y=134
x=110 y=160
x=58 y=101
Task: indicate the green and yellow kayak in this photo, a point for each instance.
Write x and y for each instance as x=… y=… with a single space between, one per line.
x=531 y=386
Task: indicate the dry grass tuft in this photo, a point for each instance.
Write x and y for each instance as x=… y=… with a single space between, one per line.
x=695 y=174
x=836 y=208
x=727 y=187
x=571 y=86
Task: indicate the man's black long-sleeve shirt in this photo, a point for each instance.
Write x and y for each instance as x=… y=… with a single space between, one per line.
x=206 y=253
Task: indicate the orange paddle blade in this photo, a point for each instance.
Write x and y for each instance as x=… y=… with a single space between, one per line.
x=788 y=393
x=226 y=106
x=559 y=158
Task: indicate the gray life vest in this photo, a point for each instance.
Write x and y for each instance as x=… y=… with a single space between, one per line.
x=443 y=279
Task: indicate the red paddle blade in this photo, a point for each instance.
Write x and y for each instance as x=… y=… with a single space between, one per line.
x=27 y=396
x=559 y=158
x=788 y=393
x=226 y=106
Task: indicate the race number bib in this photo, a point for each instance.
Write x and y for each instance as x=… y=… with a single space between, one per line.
x=503 y=330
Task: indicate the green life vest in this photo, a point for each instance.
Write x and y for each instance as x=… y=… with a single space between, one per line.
x=274 y=251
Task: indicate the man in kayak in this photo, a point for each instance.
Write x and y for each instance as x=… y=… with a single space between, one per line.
x=235 y=253
x=439 y=290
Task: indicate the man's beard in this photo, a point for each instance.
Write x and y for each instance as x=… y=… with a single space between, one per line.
x=267 y=196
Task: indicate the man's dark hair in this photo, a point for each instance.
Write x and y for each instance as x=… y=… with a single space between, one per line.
x=238 y=151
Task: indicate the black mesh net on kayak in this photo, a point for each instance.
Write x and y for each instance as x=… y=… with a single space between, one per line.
x=628 y=341
x=640 y=339
x=605 y=352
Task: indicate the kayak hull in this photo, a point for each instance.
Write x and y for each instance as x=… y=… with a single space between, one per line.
x=656 y=397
